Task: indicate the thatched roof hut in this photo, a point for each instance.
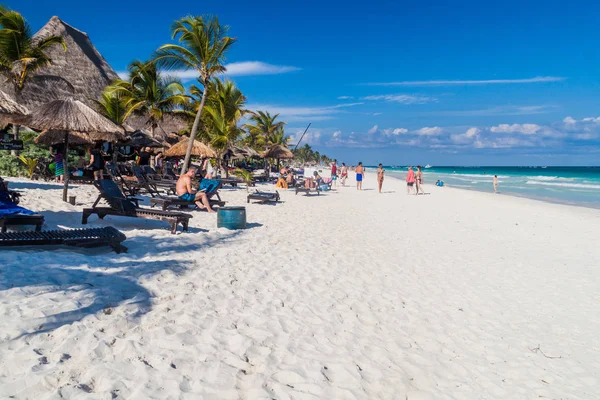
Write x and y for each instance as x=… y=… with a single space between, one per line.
x=74 y=116
x=80 y=72
x=52 y=137
x=9 y=107
x=199 y=149
x=170 y=124
x=142 y=139
x=279 y=152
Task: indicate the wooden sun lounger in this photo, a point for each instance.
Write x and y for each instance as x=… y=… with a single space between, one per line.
x=173 y=201
x=264 y=197
x=129 y=186
x=21 y=220
x=308 y=191
x=94 y=237
x=121 y=206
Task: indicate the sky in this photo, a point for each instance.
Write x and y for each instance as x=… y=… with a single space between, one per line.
x=418 y=82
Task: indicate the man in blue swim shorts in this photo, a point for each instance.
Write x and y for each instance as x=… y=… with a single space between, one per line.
x=185 y=192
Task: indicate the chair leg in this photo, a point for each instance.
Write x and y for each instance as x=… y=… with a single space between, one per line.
x=84 y=217
x=173 y=224
x=38 y=228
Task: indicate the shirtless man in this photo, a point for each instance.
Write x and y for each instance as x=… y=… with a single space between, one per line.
x=185 y=192
x=360 y=174
x=495 y=181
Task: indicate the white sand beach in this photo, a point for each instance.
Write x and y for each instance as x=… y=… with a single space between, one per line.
x=348 y=295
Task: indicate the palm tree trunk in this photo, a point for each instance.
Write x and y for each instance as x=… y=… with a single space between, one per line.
x=66 y=167
x=188 y=153
x=15 y=126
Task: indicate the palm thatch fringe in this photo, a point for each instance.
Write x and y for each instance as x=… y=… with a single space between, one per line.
x=199 y=149
x=279 y=152
x=52 y=137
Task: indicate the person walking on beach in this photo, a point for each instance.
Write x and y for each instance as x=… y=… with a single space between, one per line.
x=96 y=162
x=334 y=172
x=419 y=180
x=410 y=180
x=380 y=173
x=184 y=191
x=360 y=173
x=495 y=181
x=59 y=169
x=344 y=174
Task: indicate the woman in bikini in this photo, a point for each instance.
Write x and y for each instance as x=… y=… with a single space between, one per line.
x=419 y=180
x=380 y=173
x=344 y=175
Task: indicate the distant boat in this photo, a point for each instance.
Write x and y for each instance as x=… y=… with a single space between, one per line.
x=428 y=166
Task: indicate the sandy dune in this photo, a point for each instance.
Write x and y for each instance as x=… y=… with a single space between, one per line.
x=455 y=295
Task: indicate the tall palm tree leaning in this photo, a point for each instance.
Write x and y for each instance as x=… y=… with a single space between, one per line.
x=203 y=46
x=148 y=93
x=20 y=54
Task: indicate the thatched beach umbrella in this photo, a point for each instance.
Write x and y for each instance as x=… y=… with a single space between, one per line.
x=141 y=139
x=250 y=152
x=11 y=111
x=279 y=152
x=52 y=137
x=73 y=116
x=199 y=149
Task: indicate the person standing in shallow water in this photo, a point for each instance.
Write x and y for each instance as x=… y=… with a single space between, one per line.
x=360 y=174
x=380 y=173
x=495 y=181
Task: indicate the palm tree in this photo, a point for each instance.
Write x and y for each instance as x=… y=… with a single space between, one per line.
x=149 y=94
x=20 y=54
x=112 y=106
x=203 y=46
x=279 y=137
x=224 y=109
x=263 y=126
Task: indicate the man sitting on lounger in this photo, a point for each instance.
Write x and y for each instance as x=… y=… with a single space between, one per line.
x=185 y=192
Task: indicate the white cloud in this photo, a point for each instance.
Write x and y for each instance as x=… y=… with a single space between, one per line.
x=525 y=129
x=427 y=131
x=246 y=68
x=569 y=120
x=345 y=97
x=399 y=131
x=499 y=110
x=373 y=130
x=290 y=114
x=401 y=98
x=536 y=79
x=467 y=137
x=591 y=119
x=337 y=134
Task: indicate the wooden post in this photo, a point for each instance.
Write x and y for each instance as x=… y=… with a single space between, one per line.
x=66 y=166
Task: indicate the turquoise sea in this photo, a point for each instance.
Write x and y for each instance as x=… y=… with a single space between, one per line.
x=570 y=185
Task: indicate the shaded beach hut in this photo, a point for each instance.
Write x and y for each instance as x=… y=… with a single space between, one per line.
x=73 y=116
x=199 y=149
x=278 y=152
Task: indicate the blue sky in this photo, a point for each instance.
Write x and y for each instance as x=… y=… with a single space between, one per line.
x=466 y=83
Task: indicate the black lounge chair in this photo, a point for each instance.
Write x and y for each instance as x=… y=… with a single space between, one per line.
x=13 y=215
x=308 y=191
x=151 y=186
x=121 y=206
x=264 y=197
x=94 y=237
x=129 y=187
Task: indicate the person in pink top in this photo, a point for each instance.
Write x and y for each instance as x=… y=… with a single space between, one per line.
x=410 y=180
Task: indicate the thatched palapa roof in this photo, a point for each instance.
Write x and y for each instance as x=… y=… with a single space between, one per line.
x=279 y=152
x=52 y=137
x=171 y=123
x=74 y=116
x=10 y=111
x=199 y=149
x=80 y=72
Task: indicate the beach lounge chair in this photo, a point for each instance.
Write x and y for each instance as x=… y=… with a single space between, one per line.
x=13 y=215
x=211 y=188
x=121 y=206
x=94 y=237
x=264 y=197
x=129 y=186
x=151 y=187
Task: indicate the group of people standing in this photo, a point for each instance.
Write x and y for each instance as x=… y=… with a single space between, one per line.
x=414 y=181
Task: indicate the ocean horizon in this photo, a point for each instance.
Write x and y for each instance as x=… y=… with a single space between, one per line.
x=578 y=186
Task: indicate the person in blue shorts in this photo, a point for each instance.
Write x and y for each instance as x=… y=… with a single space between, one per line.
x=185 y=192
